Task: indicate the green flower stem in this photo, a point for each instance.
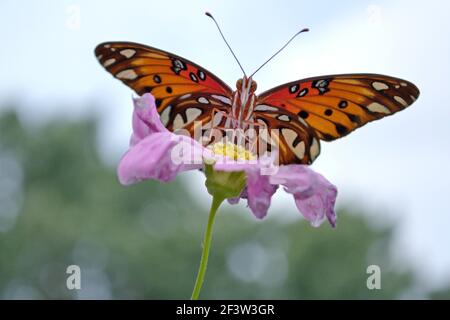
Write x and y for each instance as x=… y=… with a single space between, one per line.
x=216 y=202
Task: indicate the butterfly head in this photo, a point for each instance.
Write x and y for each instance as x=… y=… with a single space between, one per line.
x=245 y=83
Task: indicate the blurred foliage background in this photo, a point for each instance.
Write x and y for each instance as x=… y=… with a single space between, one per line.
x=61 y=205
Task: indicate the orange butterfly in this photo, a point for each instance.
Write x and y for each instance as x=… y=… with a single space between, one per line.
x=304 y=111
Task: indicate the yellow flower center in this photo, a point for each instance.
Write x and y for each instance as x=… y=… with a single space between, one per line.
x=231 y=151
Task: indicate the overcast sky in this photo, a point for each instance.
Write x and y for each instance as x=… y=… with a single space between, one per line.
x=397 y=167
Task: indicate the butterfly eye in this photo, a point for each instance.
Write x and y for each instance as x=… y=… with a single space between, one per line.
x=253 y=87
x=239 y=84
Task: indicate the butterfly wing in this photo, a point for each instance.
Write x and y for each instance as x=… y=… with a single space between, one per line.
x=184 y=92
x=295 y=141
x=332 y=107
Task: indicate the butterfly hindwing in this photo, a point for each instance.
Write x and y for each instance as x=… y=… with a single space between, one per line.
x=183 y=90
x=295 y=140
x=191 y=109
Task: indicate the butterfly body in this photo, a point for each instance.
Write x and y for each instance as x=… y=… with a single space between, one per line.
x=301 y=113
x=244 y=99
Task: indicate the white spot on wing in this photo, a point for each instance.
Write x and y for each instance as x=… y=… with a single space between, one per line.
x=290 y=136
x=300 y=149
x=377 y=107
x=264 y=125
x=128 y=74
x=192 y=114
x=379 y=86
x=201 y=75
x=222 y=99
x=264 y=107
x=203 y=100
x=178 y=122
x=401 y=101
x=303 y=121
x=185 y=96
x=165 y=115
x=109 y=62
x=314 y=149
x=128 y=52
x=284 y=118
x=206 y=126
x=217 y=119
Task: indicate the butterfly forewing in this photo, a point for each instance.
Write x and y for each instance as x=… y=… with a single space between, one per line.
x=336 y=105
x=184 y=92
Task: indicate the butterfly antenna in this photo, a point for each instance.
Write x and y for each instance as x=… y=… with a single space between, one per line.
x=223 y=37
x=273 y=56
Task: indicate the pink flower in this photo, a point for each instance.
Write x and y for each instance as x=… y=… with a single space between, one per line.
x=157 y=153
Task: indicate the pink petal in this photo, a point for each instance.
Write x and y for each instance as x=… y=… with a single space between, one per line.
x=146 y=119
x=295 y=178
x=259 y=193
x=160 y=156
x=259 y=190
x=314 y=195
x=321 y=203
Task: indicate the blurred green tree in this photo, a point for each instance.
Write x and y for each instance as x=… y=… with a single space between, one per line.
x=62 y=206
x=442 y=294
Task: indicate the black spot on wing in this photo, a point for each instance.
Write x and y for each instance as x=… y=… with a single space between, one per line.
x=342 y=130
x=193 y=77
x=294 y=88
x=303 y=92
x=178 y=65
x=145 y=89
x=157 y=78
x=321 y=85
x=354 y=118
x=303 y=114
x=201 y=75
x=343 y=104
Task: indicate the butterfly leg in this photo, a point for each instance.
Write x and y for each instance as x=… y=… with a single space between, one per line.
x=252 y=140
x=223 y=114
x=239 y=136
